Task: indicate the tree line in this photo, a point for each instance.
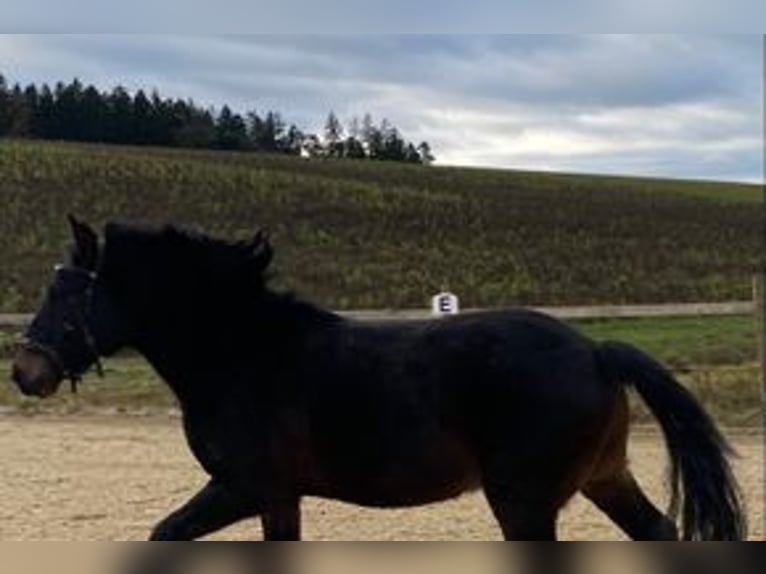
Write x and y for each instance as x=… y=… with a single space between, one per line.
x=75 y=112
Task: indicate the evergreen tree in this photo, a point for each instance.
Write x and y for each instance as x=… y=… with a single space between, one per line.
x=333 y=135
x=411 y=154
x=275 y=128
x=198 y=130
x=230 y=131
x=27 y=111
x=426 y=157
x=374 y=142
x=292 y=141
x=46 y=113
x=19 y=117
x=393 y=144
x=161 y=122
x=68 y=110
x=142 y=114
x=353 y=148
x=118 y=121
x=5 y=107
x=255 y=130
x=92 y=115
x=354 y=129
x=368 y=129
x=266 y=133
x=75 y=112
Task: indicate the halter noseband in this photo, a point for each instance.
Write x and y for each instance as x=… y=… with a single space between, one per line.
x=74 y=319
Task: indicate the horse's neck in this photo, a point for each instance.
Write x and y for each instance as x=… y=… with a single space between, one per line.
x=189 y=351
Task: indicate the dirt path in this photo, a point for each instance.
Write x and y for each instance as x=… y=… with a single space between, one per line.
x=112 y=478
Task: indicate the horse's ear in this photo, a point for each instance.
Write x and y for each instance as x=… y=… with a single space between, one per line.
x=262 y=251
x=85 y=251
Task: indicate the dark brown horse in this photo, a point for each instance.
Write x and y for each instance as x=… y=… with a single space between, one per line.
x=282 y=399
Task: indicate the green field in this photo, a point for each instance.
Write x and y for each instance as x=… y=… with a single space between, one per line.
x=714 y=356
x=681 y=342
x=363 y=234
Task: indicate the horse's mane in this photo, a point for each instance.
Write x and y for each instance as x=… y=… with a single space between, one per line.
x=186 y=290
x=177 y=264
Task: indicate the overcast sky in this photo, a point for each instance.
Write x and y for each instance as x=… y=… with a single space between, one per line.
x=680 y=106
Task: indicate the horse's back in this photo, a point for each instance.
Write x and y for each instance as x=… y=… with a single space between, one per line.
x=469 y=352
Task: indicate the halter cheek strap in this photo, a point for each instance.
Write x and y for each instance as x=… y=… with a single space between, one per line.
x=81 y=325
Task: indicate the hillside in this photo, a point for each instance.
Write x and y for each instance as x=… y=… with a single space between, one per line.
x=362 y=234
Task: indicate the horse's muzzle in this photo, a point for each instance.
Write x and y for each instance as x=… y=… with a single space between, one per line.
x=35 y=374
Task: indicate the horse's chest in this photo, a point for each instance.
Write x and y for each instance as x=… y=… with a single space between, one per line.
x=208 y=451
x=221 y=445
x=246 y=446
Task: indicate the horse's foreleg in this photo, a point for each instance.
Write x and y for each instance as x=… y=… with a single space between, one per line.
x=282 y=521
x=212 y=508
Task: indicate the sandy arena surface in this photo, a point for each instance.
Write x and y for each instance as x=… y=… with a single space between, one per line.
x=113 y=478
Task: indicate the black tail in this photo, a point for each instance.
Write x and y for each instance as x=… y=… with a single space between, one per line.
x=703 y=486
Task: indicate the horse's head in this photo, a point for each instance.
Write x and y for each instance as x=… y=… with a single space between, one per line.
x=77 y=323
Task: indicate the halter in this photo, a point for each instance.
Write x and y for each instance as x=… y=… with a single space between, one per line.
x=74 y=320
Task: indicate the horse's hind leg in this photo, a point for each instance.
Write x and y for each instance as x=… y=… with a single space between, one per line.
x=623 y=501
x=521 y=517
x=614 y=490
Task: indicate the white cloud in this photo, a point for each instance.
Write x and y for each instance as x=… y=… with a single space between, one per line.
x=393 y=16
x=687 y=106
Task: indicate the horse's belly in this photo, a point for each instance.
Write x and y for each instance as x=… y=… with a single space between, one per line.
x=399 y=493
x=412 y=478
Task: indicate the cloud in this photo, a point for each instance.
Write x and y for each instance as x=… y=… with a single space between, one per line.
x=393 y=16
x=687 y=106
